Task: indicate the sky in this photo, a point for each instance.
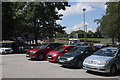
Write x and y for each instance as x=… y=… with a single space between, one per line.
x=73 y=16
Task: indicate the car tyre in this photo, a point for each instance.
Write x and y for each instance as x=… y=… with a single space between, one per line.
x=40 y=56
x=113 y=69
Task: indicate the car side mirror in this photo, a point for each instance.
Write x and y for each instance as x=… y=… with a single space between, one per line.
x=48 y=47
x=82 y=51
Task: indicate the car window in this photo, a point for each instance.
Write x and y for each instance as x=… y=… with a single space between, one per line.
x=53 y=45
x=59 y=48
x=106 y=52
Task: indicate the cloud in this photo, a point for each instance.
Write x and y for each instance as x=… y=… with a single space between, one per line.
x=97 y=4
x=75 y=9
x=79 y=27
x=88 y=0
x=58 y=21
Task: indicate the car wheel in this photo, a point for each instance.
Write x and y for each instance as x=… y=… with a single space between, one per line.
x=113 y=69
x=41 y=56
x=79 y=65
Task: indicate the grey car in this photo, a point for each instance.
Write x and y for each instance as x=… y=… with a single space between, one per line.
x=106 y=60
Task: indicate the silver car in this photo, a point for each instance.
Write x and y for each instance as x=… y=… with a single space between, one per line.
x=106 y=60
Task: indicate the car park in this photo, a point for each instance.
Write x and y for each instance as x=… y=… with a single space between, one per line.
x=41 y=51
x=54 y=54
x=105 y=60
x=75 y=57
x=5 y=48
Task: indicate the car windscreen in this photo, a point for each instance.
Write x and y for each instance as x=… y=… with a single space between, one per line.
x=42 y=46
x=106 y=52
x=76 y=50
x=59 y=48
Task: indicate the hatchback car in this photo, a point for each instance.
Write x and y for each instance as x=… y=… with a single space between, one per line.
x=41 y=51
x=106 y=60
x=75 y=57
x=53 y=55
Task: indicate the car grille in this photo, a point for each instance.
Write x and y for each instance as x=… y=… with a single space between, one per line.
x=7 y=50
x=91 y=62
x=49 y=55
x=63 y=59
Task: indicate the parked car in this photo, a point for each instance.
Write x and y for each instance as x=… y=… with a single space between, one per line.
x=19 y=47
x=75 y=57
x=5 y=48
x=41 y=51
x=53 y=55
x=84 y=44
x=106 y=60
x=99 y=46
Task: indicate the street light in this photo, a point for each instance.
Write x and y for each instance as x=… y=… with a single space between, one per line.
x=84 y=20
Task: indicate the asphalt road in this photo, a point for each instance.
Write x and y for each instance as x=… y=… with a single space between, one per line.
x=18 y=66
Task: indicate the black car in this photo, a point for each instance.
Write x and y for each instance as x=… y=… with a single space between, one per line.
x=75 y=57
x=19 y=47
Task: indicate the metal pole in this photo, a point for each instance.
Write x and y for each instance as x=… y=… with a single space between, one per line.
x=86 y=31
x=84 y=23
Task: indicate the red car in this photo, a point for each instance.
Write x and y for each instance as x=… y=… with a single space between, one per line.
x=41 y=51
x=53 y=55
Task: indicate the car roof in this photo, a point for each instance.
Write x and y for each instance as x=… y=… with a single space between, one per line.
x=83 y=46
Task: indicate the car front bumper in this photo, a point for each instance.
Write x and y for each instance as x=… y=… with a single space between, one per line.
x=97 y=68
x=68 y=63
x=30 y=55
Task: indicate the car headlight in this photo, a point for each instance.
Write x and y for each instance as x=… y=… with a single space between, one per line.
x=34 y=51
x=2 y=49
x=55 y=54
x=71 y=58
x=59 y=57
x=103 y=62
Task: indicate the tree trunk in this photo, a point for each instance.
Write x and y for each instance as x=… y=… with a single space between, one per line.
x=36 y=38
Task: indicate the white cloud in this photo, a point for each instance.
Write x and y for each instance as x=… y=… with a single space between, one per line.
x=88 y=0
x=58 y=21
x=92 y=29
x=79 y=27
x=98 y=4
x=75 y=9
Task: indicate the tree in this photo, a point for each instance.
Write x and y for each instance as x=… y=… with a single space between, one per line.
x=109 y=23
x=41 y=18
x=38 y=18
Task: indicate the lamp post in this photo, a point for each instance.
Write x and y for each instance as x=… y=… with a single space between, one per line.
x=84 y=21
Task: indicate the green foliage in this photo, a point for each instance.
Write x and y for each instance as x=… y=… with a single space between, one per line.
x=38 y=18
x=109 y=23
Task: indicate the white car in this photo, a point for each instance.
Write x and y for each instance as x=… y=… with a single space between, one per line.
x=5 y=48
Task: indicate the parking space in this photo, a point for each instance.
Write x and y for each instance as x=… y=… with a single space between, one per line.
x=18 y=66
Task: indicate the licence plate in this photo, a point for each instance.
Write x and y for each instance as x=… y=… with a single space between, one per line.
x=49 y=57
